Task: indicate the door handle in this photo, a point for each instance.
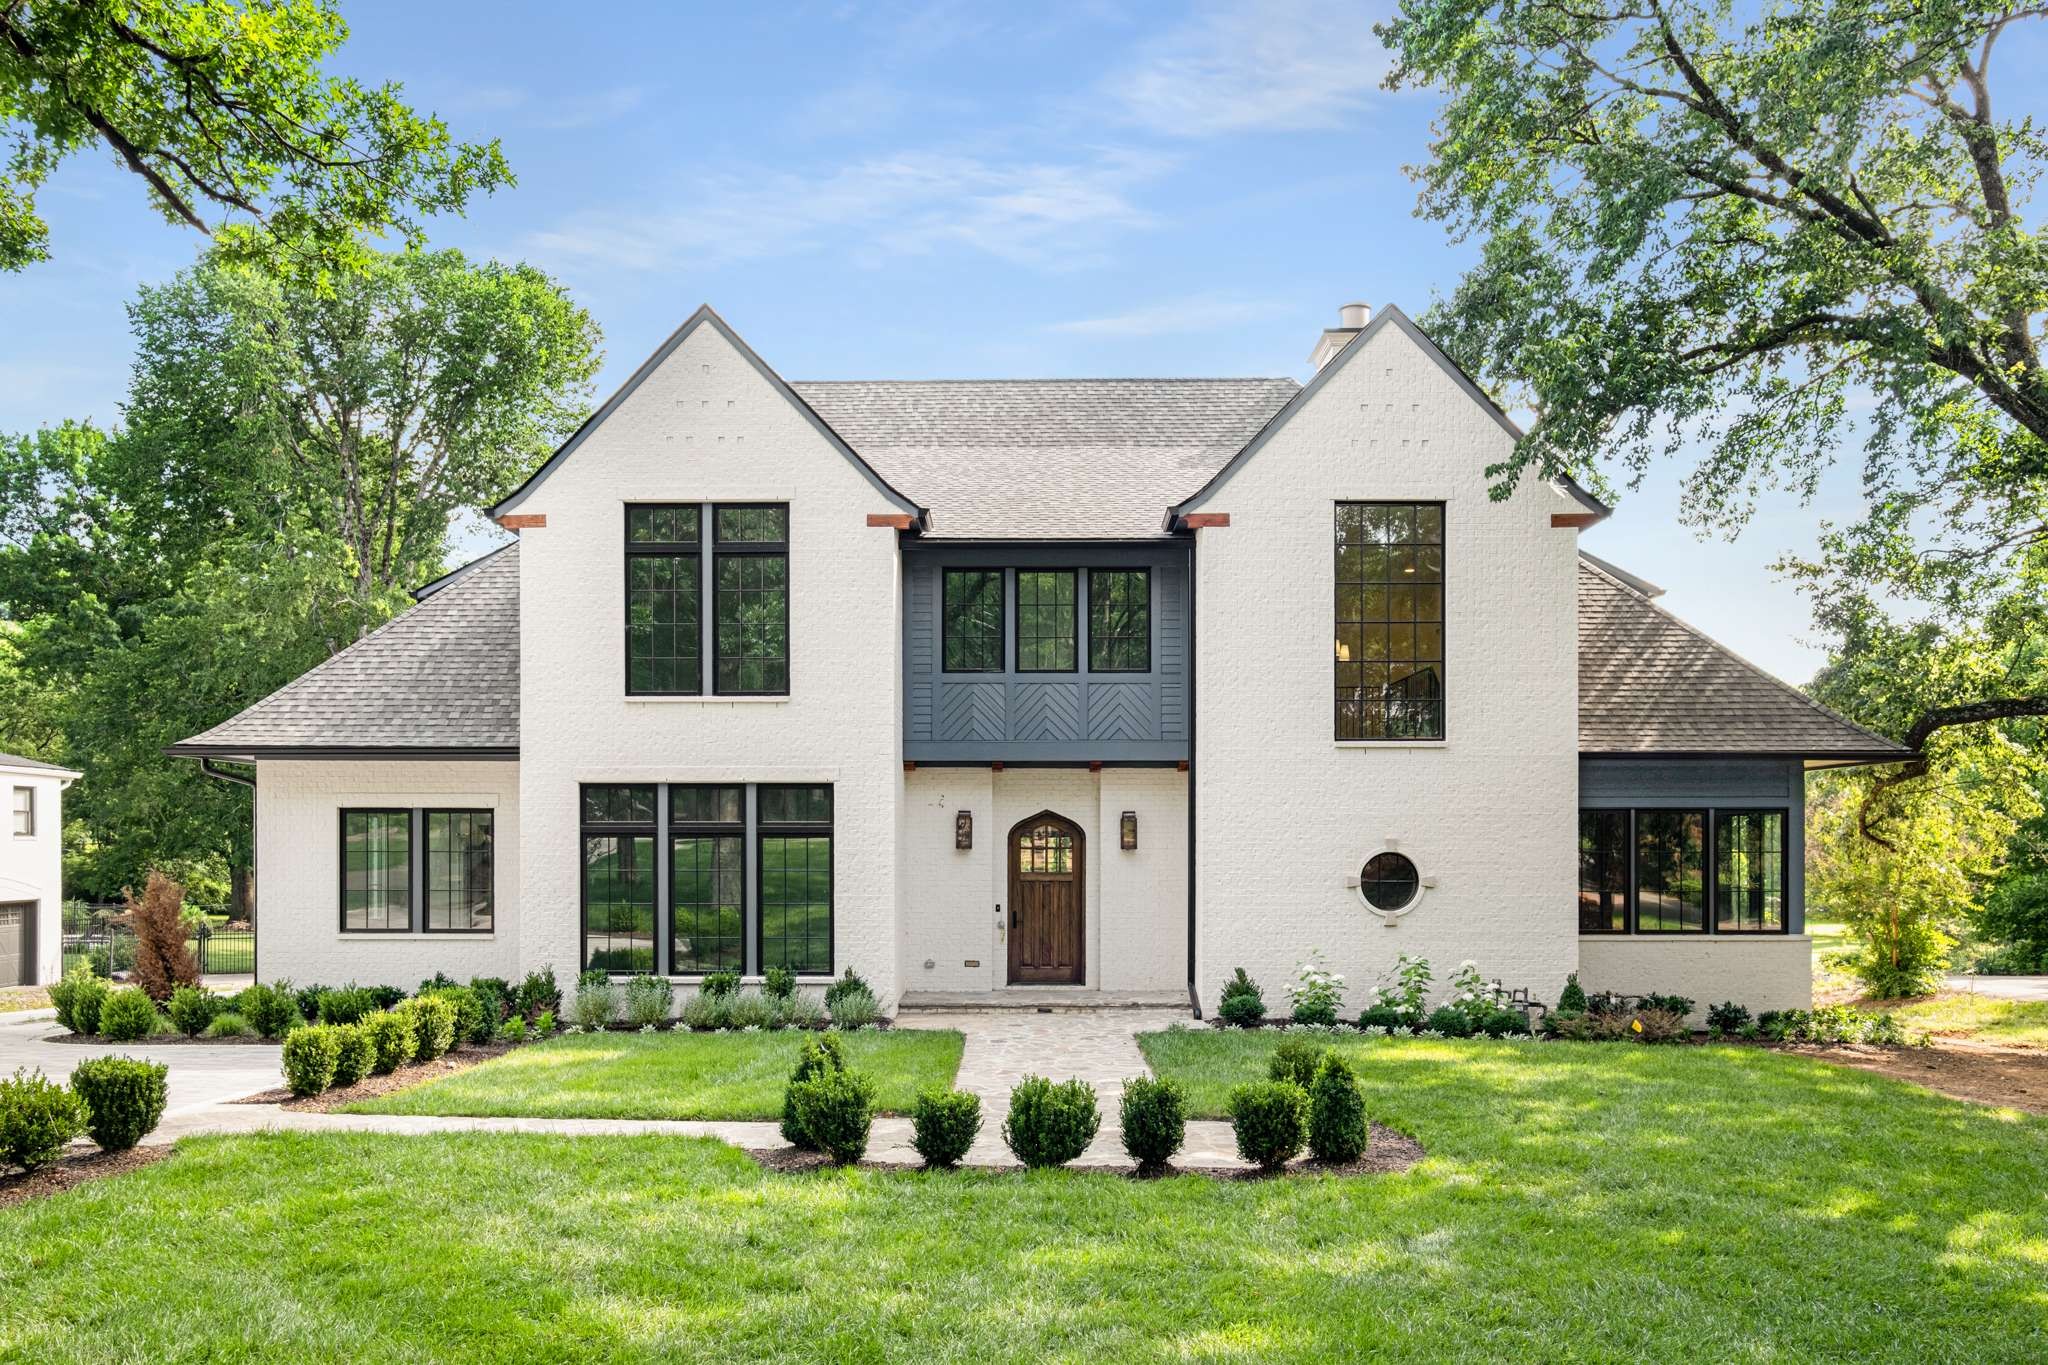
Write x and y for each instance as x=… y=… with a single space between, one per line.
x=1013 y=916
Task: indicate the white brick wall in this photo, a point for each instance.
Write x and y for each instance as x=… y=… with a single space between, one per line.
x=706 y=426
x=32 y=866
x=1284 y=812
x=298 y=871
x=1766 y=972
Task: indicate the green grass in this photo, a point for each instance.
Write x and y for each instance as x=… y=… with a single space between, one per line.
x=1986 y=1018
x=1579 y=1202
x=671 y=1076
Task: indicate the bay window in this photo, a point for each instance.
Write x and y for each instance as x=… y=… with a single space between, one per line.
x=1657 y=870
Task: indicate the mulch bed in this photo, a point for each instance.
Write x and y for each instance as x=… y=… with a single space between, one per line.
x=73 y=1169
x=1390 y=1152
x=369 y=1087
x=1983 y=1074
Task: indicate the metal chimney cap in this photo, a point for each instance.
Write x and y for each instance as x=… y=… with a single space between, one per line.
x=1354 y=315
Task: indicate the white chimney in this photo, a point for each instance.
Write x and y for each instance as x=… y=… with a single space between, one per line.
x=1351 y=320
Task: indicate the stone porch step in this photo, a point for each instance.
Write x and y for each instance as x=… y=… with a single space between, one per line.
x=1044 y=998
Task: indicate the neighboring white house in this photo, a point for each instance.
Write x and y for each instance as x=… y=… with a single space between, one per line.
x=32 y=871
x=1103 y=686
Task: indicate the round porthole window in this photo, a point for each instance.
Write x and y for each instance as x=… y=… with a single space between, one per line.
x=1389 y=882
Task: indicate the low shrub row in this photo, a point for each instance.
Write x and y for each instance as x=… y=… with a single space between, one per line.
x=647 y=1003
x=318 y=1057
x=117 y=1101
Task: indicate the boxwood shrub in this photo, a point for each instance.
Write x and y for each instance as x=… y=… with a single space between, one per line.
x=1154 y=1115
x=310 y=1056
x=820 y=1055
x=192 y=1008
x=127 y=1015
x=943 y=1124
x=1270 y=1121
x=37 y=1118
x=124 y=1097
x=469 y=1011
x=78 y=998
x=391 y=1035
x=270 y=1009
x=433 y=1025
x=1295 y=1060
x=1050 y=1125
x=494 y=994
x=1242 y=1003
x=350 y=1004
x=357 y=1053
x=835 y=1110
x=778 y=983
x=1381 y=1016
x=1450 y=1021
x=1337 y=1126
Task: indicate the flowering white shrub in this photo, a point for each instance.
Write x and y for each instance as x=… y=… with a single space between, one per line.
x=1317 y=993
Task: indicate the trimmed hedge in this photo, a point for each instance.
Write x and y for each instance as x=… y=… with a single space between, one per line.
x=356 y=1054
x=192 y=1008
x=310 y=1056
x=78 y=998
x=125 y=1098
x=1050 y=1125
x=821 y=1054
x=1270 y=1121
x=392 y=1037
x=1295 y=1060
x=38 y=1118
x=128 y=1015
x=943 y=1124
x=835 y=1111
x=1337 y=1127
x=433 y=1025
x=1154 y=1115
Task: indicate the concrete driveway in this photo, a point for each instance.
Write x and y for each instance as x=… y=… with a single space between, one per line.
x=2002 y=987
x=201 y=1074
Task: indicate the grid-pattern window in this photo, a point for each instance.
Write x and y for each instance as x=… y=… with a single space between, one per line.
x=707 y=878
x=1603 y=871
x=458 y=871
x=1749 y=872
x=664 y=601
x=973 y=621
x=1390 y=620
x=1671 y=872
x=618 y=878
x=1046 y=621
x=1119 y=620
x=24 y=810
x=751 y=610
x=1046 y=848
x=376 y=871
x=796 y=878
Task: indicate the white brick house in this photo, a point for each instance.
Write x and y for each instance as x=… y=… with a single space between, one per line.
x=32 y=871
x=1103 y=687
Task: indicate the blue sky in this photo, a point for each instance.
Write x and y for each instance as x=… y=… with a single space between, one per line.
x=918 y=190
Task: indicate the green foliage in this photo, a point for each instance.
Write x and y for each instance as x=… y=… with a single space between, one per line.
x=349 y=1004
x=1337 y=1128
x=538 y=992
x=513 y=1029
x=943 y=1125
x=544 y=1024
x=270 y=1009
x=1242 y=1004
x=1317 y=994
x=393 y=1037
x=597 y=1000
x=125 y=1098
x=797 y=1011
x=705 y=1010
x=1680 y=1005
x=192 y=1008
x=1050 y=1125
x=311 y=1055
x=433 y=1025
x=778 y=983
x=852 y=1008
x=1270 y=1122
x=1450 y=1021
x=835 y=1111
x=648 y=1000
x=851 y=983
x=1154 y=1118
x=1295 y=1059
x=1727 y=1017
x=127 y=1015
x=494 y=995
x=1382 y=1016
x=1407 y=992
x=1572 y=999
x=355 y=1055
x=229 y=1024
x=78 y=999
x=469 y=1012
x=37 y=1118
x=720 y=983
x=820 y=1054
x=749 y=1009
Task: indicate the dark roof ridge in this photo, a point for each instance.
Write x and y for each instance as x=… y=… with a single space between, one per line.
x=1079 y=379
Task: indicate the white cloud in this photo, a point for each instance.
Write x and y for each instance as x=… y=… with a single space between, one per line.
x=1047 y=214
x=1197 y=313
x=555 y=110
x=590 y=110
x=1256 y=65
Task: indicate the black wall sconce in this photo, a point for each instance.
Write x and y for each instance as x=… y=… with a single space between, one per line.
x=1129 y=827
x=963 y=829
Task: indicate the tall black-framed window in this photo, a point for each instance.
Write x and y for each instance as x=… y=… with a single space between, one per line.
x=376 y=871
x=664 y=600
x=795 y=869
x=618 y=831
x=1603 y=871
x=459 y=873
x=1120 y=620
x=971 y=628
x=1390 y=620
x=1750 y=872
x=1047 y=621
x=750 y=614
x=1671 y=871
x=707 y=878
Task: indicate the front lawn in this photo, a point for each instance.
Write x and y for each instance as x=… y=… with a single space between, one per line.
x=1579 y=1202
x=1985 y=1018
x=676 y=1075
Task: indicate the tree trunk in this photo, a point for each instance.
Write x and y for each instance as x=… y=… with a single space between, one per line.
x=242 y=894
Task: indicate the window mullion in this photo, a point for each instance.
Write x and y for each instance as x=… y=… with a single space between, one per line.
x=664 y=868
x=750 y=913
x=707 y=603
x=415 y=869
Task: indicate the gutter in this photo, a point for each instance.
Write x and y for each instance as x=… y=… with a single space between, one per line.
x=1194 y=671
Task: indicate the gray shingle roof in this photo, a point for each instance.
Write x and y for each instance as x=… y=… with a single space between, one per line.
x=1650 y=683
x=31 y=764
x=441 y=676
x=1058 y=459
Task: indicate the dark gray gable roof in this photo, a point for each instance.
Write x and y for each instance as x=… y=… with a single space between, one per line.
x=34 y=765
x=702 y=317
x=442 y=677
x=1063 y=459
x=1651 y=684
x=1386 y=316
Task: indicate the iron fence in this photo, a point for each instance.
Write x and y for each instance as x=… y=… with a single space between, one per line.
x=110 y=948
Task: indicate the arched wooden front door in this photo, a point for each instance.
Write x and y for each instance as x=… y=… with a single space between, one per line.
x=1046 y=893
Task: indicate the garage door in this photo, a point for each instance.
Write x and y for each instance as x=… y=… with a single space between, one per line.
x=17 y=966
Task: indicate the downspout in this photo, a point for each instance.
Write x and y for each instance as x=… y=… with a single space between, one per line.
x=1194 y=996
x=206 y=765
